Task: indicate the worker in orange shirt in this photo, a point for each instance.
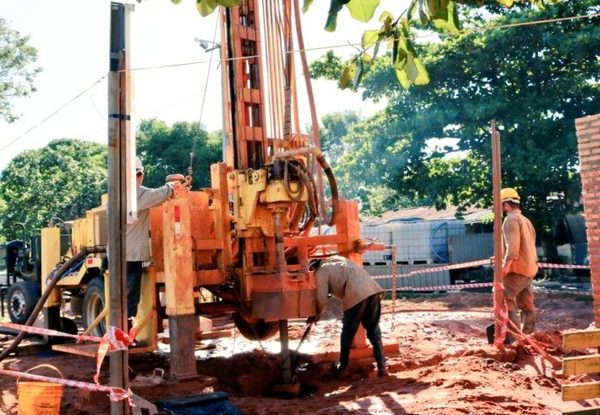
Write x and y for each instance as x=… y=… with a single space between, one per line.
x=519 y=264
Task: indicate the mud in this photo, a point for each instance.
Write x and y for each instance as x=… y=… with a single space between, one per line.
x=444 y=365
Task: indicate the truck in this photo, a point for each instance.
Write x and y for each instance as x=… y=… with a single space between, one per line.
x=247 y=239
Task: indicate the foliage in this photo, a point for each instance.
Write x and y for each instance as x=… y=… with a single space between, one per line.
x=335 y=127
x=63 y=179
x=166 y=150
x=16 y=70
x=534 y=88
x=397 y=33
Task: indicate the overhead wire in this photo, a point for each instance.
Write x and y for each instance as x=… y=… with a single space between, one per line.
x=335 y=46
x=52 y=114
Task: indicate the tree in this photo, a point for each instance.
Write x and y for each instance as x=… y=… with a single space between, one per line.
x=166 y=150
x=16 y=69
x=335 y=126
x=64 y=179
x=534 y=87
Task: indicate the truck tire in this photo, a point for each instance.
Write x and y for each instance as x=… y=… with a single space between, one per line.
x=21 y=298
x=254 y=329
x=93 y=304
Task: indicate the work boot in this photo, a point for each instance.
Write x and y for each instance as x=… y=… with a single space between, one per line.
x=528 y=321
x=341 y=372
x=379 y=357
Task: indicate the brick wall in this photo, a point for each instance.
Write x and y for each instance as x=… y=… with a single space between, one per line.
x=588 y=143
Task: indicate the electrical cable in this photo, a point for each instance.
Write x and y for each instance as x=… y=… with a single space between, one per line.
x=480 y=29
x=53 y=113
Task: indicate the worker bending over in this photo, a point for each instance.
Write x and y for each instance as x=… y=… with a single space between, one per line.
x=361 y=302
x=519 y=265
x=138 y=237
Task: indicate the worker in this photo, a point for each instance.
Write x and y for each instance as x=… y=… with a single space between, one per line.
x=519 y=264
x=138 y=237
x=361 y=302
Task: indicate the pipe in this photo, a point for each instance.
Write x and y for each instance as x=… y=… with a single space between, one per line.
x=53 y=277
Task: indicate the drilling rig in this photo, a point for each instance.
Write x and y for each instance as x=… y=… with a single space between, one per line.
x=249 y=238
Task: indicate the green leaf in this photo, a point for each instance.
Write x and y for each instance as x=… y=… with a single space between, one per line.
x=228 y=3
x=412 y=8
x=205 y=7
x=366 y=58
x=411 y=68
x=176 y=1
x=450 y=22
x=386 y=16
x=334 y=7
x=358 y=75
x=403 y=78
x=306 y=5
x=507 y=3
x=362 y=10
x=369 y=38
x=348 y=75
x=422 y=74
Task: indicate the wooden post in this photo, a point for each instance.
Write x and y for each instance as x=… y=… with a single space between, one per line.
x=119 y=118
x=498 y=248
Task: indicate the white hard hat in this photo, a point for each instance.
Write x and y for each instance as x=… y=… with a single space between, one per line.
x=139 y=168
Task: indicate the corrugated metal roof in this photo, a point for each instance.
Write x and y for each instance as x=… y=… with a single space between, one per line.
x=471 y=215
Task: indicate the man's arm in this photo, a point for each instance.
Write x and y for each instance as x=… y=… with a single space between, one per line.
x=154 y=197
x=322 y=278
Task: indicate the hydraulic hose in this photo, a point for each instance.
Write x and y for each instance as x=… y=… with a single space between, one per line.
x=54 y=277
x=328 y=172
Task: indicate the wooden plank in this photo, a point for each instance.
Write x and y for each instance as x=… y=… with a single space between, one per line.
x=581 y=339
x=579 y=391
x=91 y=349
x=588 y=411
x=581 y=364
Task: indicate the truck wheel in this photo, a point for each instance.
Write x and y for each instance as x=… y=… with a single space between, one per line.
x=93 y=304
x=22 y=297
x=254 y=329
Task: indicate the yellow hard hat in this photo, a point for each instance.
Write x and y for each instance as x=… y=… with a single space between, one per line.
x=509 y=194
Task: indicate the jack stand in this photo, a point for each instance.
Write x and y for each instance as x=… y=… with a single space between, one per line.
x=183 y=343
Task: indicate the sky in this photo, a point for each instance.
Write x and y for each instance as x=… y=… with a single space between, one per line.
x=171 y=70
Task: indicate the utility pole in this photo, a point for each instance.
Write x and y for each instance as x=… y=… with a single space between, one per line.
x=119 y=124
x=498 y=272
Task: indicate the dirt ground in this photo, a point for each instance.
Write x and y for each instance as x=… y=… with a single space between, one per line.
x=443 y=366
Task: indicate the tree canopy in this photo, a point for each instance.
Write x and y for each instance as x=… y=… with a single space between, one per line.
x=17 y=71
x=534 y=80
x=63 y=179
x=166 y=150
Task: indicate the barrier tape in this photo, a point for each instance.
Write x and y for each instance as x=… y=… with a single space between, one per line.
x=116 y=394
x=446 y=287
x=461 y=266
x=472 y=264
x=114 y=340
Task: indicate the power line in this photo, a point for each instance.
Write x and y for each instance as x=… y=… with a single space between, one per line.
x=53 y=113
x=418 y=36
x=337 y=46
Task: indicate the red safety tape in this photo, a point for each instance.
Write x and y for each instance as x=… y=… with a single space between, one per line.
x=469 y=265
x=114 y=340
x=116 y=394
